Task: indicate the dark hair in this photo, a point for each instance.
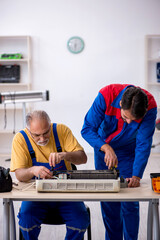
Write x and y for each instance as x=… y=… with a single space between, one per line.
x=135 y=100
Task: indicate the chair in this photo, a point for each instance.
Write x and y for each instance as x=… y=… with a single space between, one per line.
x=57 y=220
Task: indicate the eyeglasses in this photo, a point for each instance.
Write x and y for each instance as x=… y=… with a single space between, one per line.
x=37 y=136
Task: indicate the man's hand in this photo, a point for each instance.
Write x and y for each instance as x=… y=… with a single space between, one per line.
x=133 y=181
x=26 y=174
x=77 y=157
x=41 y=171
x=110 y=157
x=56 y=158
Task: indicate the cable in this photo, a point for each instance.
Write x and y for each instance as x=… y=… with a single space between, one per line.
x=5 y=116
x=14 y=118
x=14 y=113
x=30 y=185
x=23 y=188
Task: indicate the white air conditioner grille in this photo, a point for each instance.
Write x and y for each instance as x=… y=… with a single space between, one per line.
x=78 y=185
x=108 y=186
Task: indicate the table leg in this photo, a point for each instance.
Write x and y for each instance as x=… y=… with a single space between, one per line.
x=156 y=231
x=9 y=228
x=6 y=229
x=12 y=222
x=150 y=221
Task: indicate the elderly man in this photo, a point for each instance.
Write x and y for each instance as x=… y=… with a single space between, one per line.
x=37 y=148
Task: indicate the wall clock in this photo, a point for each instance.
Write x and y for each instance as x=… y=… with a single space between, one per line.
x=75 y=45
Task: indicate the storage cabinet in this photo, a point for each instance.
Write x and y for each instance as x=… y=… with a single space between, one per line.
x=11 y=119
x=152 y=43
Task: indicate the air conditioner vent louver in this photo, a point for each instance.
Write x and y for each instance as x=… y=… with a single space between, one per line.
x=78 y=185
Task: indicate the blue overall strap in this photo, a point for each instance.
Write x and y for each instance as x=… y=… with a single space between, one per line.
x=58 y=146
x=30 y=149
x=61 y=165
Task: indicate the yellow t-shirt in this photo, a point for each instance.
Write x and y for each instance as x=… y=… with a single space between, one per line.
x=20 y=157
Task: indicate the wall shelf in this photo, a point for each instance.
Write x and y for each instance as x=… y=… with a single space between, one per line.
x=10 y=45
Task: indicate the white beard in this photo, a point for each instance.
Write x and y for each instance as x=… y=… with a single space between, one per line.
x=43 y=143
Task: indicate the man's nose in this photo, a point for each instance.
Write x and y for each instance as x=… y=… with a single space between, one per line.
x=41 y=137
x=128 y=121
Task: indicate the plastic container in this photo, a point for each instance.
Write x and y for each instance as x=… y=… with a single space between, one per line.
x=155 y=177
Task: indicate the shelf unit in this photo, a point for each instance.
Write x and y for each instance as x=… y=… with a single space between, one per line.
x=152 y=44
x=11 y=113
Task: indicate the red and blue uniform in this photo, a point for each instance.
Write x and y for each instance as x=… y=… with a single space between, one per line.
x=132 y=145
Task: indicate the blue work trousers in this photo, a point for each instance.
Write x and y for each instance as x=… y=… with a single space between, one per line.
x=74 y=214
x=120 y=218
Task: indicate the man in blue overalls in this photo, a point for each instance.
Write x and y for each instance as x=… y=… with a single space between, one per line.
x=37 y=148
x=119 y=126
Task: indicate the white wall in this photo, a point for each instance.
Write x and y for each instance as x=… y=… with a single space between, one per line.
x=113 y=32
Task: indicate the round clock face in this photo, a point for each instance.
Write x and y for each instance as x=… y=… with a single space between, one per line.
x=75 y=44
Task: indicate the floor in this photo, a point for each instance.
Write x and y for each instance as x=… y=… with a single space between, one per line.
x=98 y=232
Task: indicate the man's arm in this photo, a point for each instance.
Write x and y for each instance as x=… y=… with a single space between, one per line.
x=144 y=142
x=143 y=147
x=77 y=157
x=26 y=174
x=92 y=121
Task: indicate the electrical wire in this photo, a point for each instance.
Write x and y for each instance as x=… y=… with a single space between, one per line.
x=13 y=96
x=30 y=185
x=26 y=187
x=5 y=116
x=14 y=114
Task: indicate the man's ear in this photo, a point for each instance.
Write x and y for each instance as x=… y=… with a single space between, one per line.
x=120 y=103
